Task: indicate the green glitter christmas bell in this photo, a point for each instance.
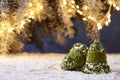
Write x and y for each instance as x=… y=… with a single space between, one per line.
x=75 y=59
x=96 y=59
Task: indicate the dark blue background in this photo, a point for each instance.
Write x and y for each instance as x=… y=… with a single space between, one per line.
x=110 y=37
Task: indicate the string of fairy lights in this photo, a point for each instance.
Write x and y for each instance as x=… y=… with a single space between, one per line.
x=11 y=25
x=104 y=21
x=34 y=10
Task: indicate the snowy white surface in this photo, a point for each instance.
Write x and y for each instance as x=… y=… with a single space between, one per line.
x=47 y=67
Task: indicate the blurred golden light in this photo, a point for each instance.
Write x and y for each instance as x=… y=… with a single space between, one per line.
x=117 y=8
x=84 y=19
x=99 y=26
x=64 y=2
x=77 y=6
x=30 y=5
x=80 y=12
x=73 y=2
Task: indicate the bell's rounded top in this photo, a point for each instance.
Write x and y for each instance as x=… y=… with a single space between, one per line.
x=79 y=47
x=96 y=46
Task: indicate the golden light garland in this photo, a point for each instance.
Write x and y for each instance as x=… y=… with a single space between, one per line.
x=10 y=26
x=34 y=10
x=105 y=20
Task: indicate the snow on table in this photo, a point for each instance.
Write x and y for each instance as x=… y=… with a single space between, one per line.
x=47 y=67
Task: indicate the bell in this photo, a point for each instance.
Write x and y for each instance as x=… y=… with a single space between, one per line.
x=75 y=59
x=96 y=59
